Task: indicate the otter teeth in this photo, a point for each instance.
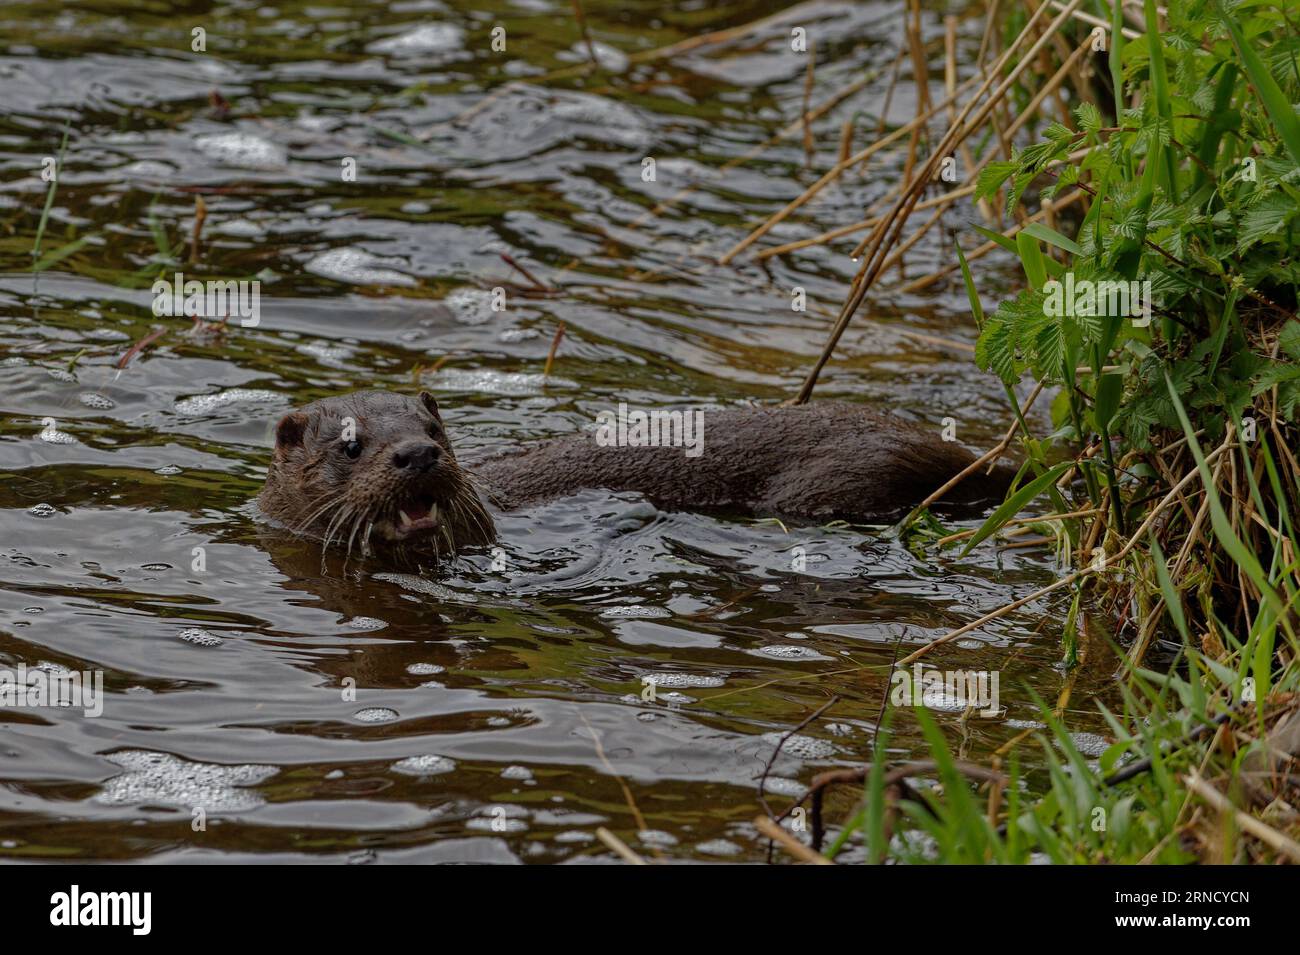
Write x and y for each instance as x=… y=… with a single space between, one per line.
x=433 y=516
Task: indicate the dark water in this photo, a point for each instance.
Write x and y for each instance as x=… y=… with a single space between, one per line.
x=490 y=714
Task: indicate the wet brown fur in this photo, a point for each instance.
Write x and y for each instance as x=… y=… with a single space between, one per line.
x=816 y=462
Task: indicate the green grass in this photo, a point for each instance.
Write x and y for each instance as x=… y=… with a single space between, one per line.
x=1194 y=183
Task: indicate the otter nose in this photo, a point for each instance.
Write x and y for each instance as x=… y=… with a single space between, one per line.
x=416 y=456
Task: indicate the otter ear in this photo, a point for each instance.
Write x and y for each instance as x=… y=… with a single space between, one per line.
x=289 y=432
x=427 y=400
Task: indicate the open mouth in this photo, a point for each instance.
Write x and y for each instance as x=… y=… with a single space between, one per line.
x=417 y=517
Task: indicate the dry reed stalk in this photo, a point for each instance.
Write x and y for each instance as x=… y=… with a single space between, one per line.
x=962 y=535
x=988 y=457
x=200 y=216
x=964 y=347
x=555 y=347
x=1053 y=84
x=846 y=140
x=889 y=93
x=921 y=80
x=789 y=843
x=950 y=88
x=1094 y=21
x=586 y=34
x=619 y=847
x=1246 y=822
x=807 y=101
x=986 y=39
x=830 y=176
x=1077 y=575
x=942 y=200
x=871 y=266
x=984 y=249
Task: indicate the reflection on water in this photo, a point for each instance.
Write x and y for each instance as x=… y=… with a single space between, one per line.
x=264 y=703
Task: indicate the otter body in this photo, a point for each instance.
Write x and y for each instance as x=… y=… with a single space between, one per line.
x=816 y=462
x=375 y=470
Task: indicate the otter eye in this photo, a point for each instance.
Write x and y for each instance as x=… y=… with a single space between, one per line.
x=352 y=449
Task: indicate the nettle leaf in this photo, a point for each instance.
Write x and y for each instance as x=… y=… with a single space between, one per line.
x=1018 y=185
x=1168 y=286
x=1049 y=349
x=1135 y=420
x=1036 y=156
x=1276 y=373
x=1059 y=133
x=992 y=177
x=1068 y=176
x=1087 y=237
x=1089 y=328
x=1162 y=215
x=1203 y=98
x=1117 y=147
x=1089 y=117
x=1130 y=223
x=1288 y=398
x=1180 y=40
x=1279 y=170
x=1289 y=340
x=1155 y=129
x=1264 y=219
x=995 y=349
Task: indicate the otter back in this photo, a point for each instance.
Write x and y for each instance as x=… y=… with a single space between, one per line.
x=823 y=461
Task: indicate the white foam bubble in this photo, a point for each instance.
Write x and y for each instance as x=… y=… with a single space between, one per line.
x=375 y=714
x=427 y=765
x=426 y=38
x=161 y=779
x=780 y=786
x=787 y=652
x=97 y=401
x=424 y=669
x=801 y=747
x=55 y=436
x=471 y=306
x=718 y=847
x=684 y=680
x=242 y=150
x=200 y=637
x=635 y=611
x=489 y=382
x=200 y=405
x=357 y=267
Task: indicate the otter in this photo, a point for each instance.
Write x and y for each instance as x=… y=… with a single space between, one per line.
x=377 y=469
x=378 y=465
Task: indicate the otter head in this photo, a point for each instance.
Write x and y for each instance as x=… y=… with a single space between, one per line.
x=373 y=469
